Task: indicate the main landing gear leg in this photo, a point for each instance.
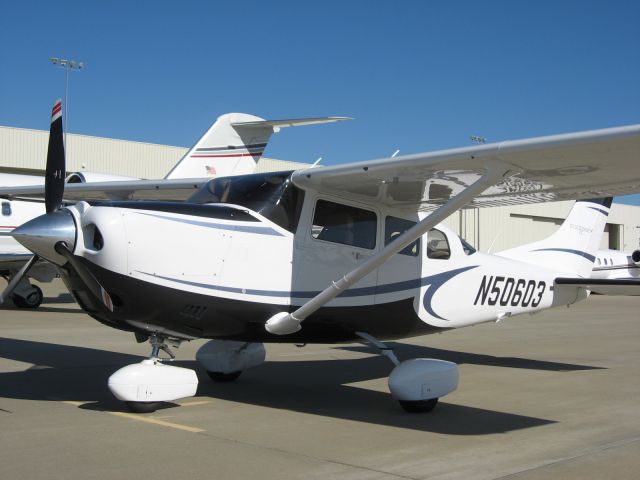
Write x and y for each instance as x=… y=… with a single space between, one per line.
x=146 y=385
x=417 y=384
x=26 y=295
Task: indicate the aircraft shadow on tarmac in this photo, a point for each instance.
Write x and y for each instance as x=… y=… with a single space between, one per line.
x=405 y=352
x=318 y=387
x=60 y=298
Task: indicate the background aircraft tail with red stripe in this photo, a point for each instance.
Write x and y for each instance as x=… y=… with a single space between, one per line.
x=233 y=145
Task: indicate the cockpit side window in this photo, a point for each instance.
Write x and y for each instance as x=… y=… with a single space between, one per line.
x=333 y=222
x=393 y=228
x=437 y=245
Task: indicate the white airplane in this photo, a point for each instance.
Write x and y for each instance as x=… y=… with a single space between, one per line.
x=231 y=146
x=340 y=254
x=616 y=264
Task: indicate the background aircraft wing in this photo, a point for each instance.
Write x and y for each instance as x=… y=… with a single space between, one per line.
x=168 y=190
x=597 y=163
x=13 y=261
x=609 y=286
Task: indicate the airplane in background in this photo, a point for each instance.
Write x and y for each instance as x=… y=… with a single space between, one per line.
x=615 y=265
x=231 y=146
x=346 y=253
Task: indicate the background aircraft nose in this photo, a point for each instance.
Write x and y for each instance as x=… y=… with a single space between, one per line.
x=41 y=234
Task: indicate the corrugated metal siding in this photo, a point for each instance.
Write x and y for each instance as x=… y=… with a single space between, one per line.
x=500 y=228
x=24 y=148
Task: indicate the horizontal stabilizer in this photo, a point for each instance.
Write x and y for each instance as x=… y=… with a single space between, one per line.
x=608 y=286
x=291 y=122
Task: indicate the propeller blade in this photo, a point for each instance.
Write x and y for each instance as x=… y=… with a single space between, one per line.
x=56 y=169
x=86 y=276
x=15 y=280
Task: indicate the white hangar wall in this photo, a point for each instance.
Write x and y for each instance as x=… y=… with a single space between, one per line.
x=499 y=228
x=488 y=229
x=26 y=150
x=23 y=148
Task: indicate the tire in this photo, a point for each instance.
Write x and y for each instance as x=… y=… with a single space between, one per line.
x=224 y=377
x=418 y=406
x=143 y=407
x=33 y=300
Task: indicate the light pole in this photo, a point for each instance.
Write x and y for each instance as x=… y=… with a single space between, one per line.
x=68 y=66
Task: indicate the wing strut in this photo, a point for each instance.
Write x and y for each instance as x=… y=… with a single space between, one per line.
x=283 y=323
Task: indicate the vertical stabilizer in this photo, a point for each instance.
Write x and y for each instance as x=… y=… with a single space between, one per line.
x=224 y=150
x=234 y=144
x=572 y=248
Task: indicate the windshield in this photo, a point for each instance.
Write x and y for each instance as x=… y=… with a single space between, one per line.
x=272 y=195
x=468 y=249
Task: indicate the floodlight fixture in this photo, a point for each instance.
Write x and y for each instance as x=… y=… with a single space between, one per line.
x=67 y=65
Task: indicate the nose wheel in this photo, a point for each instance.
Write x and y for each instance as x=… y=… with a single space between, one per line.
x=145 y=386
x=143 y=407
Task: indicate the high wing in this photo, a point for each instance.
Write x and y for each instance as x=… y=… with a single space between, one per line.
x=597 y=163
x=604 y=286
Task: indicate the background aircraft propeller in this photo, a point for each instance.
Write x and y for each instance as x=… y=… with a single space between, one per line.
x=53 y=187
x=53 y=194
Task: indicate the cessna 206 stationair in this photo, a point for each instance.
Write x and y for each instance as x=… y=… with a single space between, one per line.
x=231 y=146
x=336 y=254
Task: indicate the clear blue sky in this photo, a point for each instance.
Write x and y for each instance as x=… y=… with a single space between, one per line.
x=415 y=75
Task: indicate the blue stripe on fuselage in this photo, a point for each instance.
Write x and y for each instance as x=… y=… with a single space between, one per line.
x=580 y=253
x=407 y=285
x=220 y=226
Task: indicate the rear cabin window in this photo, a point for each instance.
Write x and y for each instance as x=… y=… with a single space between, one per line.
x=393 y=228
x=437 y=245
x=333 y=222
x=6 y=209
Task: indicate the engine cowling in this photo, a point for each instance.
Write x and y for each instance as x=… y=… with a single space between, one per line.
x=90 y=177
